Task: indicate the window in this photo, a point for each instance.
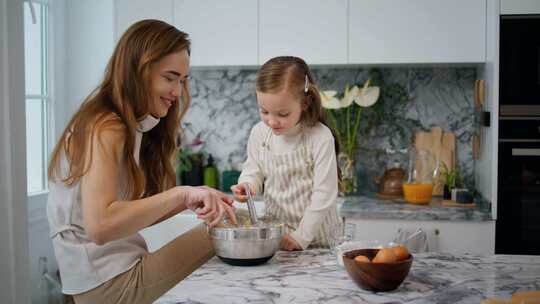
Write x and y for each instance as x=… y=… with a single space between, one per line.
x=36 y=94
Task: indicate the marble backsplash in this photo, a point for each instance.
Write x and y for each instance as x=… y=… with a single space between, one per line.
x=224 y=109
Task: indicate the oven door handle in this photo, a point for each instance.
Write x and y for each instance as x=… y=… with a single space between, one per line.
x=525 y=152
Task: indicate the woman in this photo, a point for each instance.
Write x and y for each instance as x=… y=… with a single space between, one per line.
x=111 y=176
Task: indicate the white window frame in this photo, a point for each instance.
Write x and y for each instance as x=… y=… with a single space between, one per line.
x=45 y=95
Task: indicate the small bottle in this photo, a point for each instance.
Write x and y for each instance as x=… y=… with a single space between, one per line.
x=43 y=285
x=210 y=173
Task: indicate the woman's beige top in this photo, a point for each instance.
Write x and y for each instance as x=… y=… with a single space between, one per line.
x=83 y=264
x=298 y=173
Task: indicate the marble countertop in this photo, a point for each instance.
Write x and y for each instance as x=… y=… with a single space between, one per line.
x=370 y=207
x=313 y=276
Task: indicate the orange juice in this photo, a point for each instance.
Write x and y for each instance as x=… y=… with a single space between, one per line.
x=417 y=193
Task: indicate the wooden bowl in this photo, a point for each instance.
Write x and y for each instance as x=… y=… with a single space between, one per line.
x=376 y=276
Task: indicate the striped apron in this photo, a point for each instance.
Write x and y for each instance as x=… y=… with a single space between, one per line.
x=288 y=188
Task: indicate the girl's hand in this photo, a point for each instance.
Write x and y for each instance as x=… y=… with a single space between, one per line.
x=239 y=192
x=289 y=244
x=210 y=205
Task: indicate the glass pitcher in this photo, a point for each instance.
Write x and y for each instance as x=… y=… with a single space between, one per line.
x=422 y=170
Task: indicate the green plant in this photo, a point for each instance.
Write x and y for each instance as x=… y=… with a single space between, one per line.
x=183 y=164
x=452 y=178
x=184 y=155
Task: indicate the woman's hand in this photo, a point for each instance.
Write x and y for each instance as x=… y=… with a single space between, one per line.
x=239 y=192
x=209 y=204
x=289 y=244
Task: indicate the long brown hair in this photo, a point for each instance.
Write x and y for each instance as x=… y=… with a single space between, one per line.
x=289 y=73
x=124 y=94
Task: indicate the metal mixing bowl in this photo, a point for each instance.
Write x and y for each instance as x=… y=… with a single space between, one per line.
x=247 y=246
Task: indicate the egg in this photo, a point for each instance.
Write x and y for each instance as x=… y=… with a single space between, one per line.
x=385 y=255
x=401 y=252
x=362 y=258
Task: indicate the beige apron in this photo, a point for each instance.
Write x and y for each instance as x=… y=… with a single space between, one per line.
x=288 y=188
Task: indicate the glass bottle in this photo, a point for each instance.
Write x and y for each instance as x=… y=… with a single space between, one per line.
x=210 y=174
x=43 y=285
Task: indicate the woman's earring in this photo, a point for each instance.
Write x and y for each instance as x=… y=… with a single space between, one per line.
x=306 y=86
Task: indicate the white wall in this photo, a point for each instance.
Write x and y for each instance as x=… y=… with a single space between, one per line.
x=89 y=44
x=14 y=267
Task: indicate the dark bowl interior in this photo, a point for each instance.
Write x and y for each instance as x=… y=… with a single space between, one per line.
x=245 y=262
x=376 y=276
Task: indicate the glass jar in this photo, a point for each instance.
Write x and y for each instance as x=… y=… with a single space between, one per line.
x=422 y=169
x=348 y=184
x=340 y=236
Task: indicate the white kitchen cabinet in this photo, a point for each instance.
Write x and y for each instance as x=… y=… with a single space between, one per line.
x=160 y=234
x=128 y=12
x=520 y=7
x=485 y=167
x=222 y=33
x=315 y=30
x=443 y=236
x=417 y=31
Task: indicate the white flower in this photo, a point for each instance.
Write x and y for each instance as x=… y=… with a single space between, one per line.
x=350 y=96
x=329 y=101
x=368 y=96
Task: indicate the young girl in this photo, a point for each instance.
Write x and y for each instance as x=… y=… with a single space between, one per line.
x=291 y=155
x=111 y=176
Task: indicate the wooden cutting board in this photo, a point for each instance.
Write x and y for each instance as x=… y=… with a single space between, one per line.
x=520 y=297
x=450 y=203
x=443 y=147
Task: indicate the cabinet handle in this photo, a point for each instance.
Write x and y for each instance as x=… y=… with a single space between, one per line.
x=479 y=93
x=525 y=152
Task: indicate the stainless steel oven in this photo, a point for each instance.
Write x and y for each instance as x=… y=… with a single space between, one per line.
x=519 y=65
x=518 y=208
